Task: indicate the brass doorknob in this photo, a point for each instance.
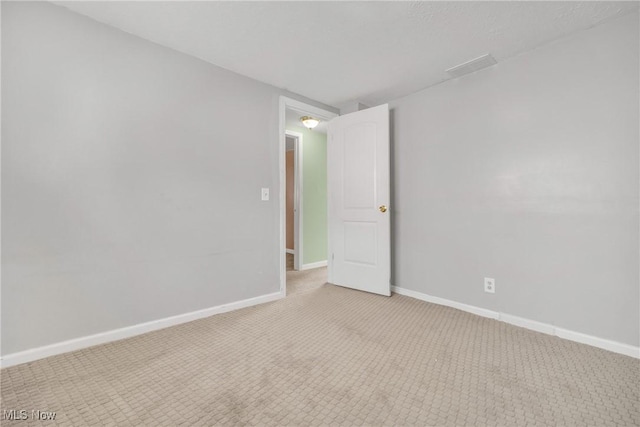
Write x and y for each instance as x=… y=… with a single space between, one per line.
x=382 y=208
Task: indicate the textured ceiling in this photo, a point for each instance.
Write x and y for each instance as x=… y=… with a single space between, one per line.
x=339 y=52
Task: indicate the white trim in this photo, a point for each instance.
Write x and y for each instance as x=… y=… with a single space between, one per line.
x=303 y=108
x=313 y=265
x=129 y=331
x=534 y=325
x=290 y=251
x=545 y=328
x=441 y=301
x=616 y=347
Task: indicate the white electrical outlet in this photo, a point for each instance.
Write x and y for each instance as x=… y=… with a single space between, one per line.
x=490 y=285
x=265 y=194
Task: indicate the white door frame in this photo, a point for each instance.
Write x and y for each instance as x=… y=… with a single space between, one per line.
x=297 y=197
x=303 y=109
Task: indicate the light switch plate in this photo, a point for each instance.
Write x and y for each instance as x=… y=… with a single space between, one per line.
x=265 y=194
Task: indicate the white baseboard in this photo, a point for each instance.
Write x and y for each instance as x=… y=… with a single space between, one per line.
x=534 y=325
x=129 y=331
x=441 y=301
x=290 y=251
x=545 y=328
x=313 y=265
x=616 y=347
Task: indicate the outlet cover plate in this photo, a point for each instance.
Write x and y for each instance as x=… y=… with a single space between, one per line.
x=490 y=285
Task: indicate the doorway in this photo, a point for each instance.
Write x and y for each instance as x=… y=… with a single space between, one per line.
x=303 y=210
x=356 y=199
x=293 y=199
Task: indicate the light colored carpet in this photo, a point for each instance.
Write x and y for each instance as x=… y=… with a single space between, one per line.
x=304 y=281
x=329 y=355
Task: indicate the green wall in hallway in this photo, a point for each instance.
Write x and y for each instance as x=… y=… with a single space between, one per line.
x=314 y=195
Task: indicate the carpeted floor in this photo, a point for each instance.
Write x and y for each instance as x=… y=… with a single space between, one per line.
x=304 y=281
x=289 y=258
x=329 y=355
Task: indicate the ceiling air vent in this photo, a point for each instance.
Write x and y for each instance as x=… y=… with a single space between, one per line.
x=479 y=63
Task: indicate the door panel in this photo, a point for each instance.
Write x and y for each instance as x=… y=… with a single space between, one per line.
x=358 y=184
x=360 y=242
x=359 y=167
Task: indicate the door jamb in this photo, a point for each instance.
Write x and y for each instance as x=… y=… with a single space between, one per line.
x=303 y=109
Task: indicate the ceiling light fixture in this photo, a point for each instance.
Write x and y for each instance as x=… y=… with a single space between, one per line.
x=309 y=122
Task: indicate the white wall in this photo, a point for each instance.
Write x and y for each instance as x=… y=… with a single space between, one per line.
x=528 y=172
x=119 y=202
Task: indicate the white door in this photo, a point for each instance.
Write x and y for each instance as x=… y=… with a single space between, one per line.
x=358 y=200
